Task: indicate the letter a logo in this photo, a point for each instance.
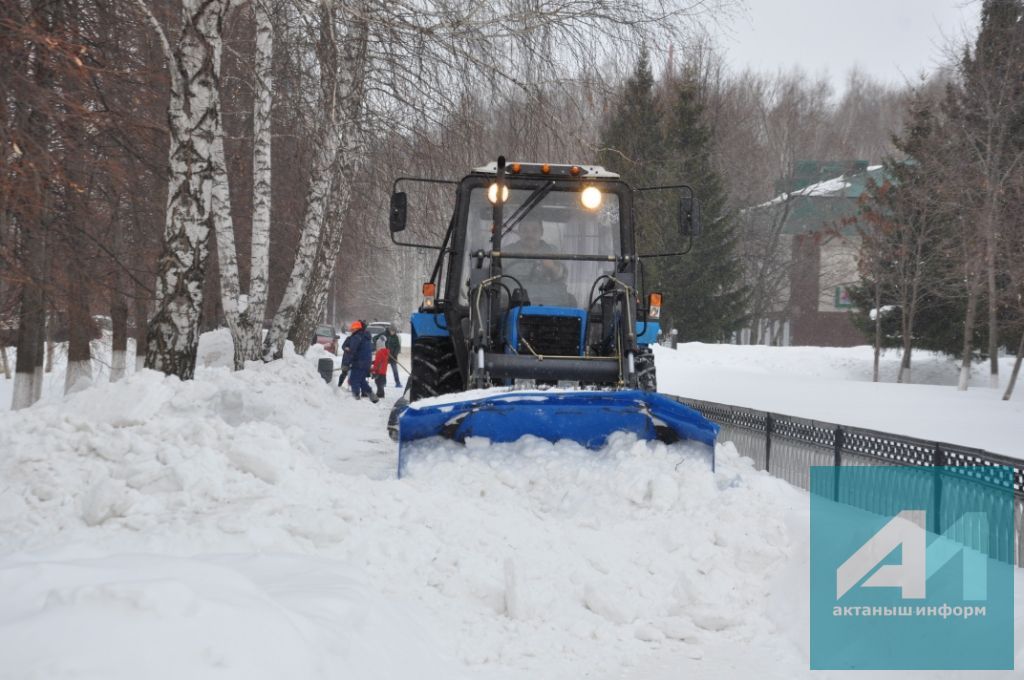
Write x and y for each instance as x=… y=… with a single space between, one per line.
x=904 y=530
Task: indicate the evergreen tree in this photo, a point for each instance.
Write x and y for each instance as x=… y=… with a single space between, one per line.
x=631 y=141
x=704 y=297
x=910 y=244
x=651 y=142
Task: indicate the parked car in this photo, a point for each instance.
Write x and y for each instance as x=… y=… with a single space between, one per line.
x=327 y=336
x=375 y=328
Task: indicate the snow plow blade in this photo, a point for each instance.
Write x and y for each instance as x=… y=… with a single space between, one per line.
x=587 y=418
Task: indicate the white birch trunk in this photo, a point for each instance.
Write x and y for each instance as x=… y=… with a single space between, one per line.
x=314 y=301
x=312 y=224
x=244 y=313
x=227 y=254
x=249 y=348
x=342 y=82
x=194 y=119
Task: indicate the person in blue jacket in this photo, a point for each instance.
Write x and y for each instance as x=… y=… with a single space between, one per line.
x=361 y=348
x=346 y=357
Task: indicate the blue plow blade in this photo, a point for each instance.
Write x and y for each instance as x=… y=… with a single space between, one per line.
x=587 y=418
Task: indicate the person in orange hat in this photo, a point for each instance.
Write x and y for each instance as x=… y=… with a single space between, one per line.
x=346 y=353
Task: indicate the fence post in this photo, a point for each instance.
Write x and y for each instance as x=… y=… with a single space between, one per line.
x=768 y=424
x=837 y=462
x=938 y=462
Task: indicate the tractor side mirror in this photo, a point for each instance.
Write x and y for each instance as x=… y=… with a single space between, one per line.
x=689 y=216
x=399 y=208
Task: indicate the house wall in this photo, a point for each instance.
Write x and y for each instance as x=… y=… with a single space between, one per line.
x=814 y=319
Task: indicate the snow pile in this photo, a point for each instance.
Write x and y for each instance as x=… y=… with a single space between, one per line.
x=594 y=557
x=154 y=528
x=152 y=447
x=228 y=616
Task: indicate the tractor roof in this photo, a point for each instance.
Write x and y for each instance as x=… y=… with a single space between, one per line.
x=553 y=169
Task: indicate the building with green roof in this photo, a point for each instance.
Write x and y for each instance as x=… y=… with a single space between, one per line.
x=811 y=232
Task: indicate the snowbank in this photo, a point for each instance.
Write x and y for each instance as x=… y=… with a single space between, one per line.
x=154 y=528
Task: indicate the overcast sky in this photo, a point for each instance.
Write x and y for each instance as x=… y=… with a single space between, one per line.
x=892 y=40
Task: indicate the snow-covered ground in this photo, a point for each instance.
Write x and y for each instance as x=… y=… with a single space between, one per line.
x=834 y=385
x=248 y=525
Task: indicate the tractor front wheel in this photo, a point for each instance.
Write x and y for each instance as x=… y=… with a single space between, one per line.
x=435 y=370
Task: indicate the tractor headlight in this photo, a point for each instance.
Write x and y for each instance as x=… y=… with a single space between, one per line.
x=492 y=193
x=591 y=198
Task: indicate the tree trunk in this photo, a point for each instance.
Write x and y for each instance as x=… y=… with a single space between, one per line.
x=259 y=269
x=141 y=323
x=119 y=335
x=904 y=374
x=44 y=331
x=316 y=203
x=5 y=362
x=314 y=301
x=194 y=118
x=28 y=367
x=342 y=82
x=969 y=320
x=1016 y=370
x=993 y=292
x=878 y=333
x=80 y=333
x=244 y=313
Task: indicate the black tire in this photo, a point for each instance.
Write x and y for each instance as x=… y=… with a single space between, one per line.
x=434 y=369
x=646 y=373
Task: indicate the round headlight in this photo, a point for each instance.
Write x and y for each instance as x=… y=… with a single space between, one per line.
x=492 y=193
x=591 y=198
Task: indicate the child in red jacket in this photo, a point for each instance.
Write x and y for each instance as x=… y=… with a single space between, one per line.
x=379 y=370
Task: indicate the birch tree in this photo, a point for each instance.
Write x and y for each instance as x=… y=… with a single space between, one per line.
x=342 y=58
x=244 y=312
x=194 y=122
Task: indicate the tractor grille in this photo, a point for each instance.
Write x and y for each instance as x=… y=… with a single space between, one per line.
x=550 y=335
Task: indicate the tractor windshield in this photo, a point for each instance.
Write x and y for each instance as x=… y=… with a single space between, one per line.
x=557 y=223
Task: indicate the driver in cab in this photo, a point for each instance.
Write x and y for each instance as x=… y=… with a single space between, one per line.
x=543 y=279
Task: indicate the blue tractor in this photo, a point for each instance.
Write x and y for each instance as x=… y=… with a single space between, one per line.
x=537 y=295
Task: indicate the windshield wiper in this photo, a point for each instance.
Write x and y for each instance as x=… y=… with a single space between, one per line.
x=529 y=204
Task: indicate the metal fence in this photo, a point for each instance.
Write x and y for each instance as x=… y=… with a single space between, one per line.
x=787 y=447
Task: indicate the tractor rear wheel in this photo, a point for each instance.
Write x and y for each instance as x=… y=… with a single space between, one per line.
x=435 y=370
x=646 y=373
